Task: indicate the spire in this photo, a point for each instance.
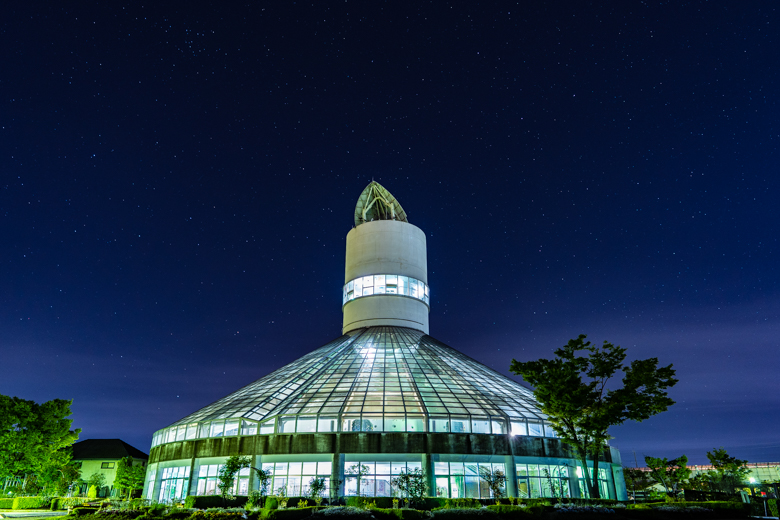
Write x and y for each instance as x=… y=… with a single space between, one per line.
x=376 y=203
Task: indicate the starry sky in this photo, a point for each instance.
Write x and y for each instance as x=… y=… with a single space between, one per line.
x=177 y=181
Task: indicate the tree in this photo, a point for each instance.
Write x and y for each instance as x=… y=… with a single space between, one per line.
x=729 y=473
x=671 y=474
x=227 y=474
x=357 y=471
x=636 y=480
x=411 y=484
x=263 y=480
x=573 y=392
x=316 y=488
x=129 y=477
x=34 y=437
x=94 y=483
x=495 y=480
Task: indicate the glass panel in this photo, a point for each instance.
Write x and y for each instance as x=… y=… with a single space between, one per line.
x=350 y=285
x=479 y=425
x=359 y=286
x=441 y=468
x=267 y=427
x=372 y=423
x=472 y=487
x=472 y=468
x=350 y=424
x=403 y=285
x=398 y=467
x=180 y=431
x=307 y=425
x=326 y=424
x=457 y=468
x=379 y=279
x=368 y=281
x=324 y=468
x=442 y=485
x=519 y=428
x=439 y=424
x=287 y=425
x=309 y=468
x=498 y=426
x=412 y=465
x=549 y=432
x=395 y=424
x=231 y=427
x=460 y=425
x=391 y=279
x=204 y=430
x=368 y=291
x=217 y=428
x=248 y=428
x=534 y=429
x=192 y=431
x=415 y=424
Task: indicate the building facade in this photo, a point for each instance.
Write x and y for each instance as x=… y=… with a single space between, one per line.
x=102 y=456
x=382 y=399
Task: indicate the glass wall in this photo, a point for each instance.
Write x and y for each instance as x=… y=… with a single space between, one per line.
x=386 y=284
x=208 y=481
x=462 y=479
x=295 y=477
x=375 y=476
x=354 y=423
x=174 y=483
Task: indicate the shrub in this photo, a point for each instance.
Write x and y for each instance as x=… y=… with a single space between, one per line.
x=66 y=502
x=6 y=503
x=291 y=514
x=508 y=511
x=461 y=503
x=772 y=506
x=343 y=512
x=210 y=501
x=84 y=510
x=463 y=513
x=31 y=502
x=271 y=503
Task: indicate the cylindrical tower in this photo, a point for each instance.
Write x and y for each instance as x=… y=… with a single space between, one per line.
x=386 y=268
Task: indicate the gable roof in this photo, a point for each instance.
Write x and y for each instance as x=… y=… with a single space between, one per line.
x=106 y=449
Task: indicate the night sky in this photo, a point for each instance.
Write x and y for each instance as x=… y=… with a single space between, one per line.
x=177 y=182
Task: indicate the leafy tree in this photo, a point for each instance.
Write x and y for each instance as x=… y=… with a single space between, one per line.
x=33 y=436
x=495 y=480
x=636 y=480
x=263 y=480
x=316 y=488
x=572 y=390
x=671 y=474
x=357 y=471
x=411 y=484
x=729 y=472
x=129 y=477
x=227 y=474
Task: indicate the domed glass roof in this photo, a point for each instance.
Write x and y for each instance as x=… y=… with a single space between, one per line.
x=379 y=372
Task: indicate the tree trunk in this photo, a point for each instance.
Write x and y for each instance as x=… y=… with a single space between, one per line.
x=596 y=490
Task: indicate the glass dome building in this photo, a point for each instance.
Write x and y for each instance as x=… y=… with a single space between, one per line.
x=384 y=395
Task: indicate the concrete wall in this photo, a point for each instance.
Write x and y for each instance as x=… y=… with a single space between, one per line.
x=386 y=247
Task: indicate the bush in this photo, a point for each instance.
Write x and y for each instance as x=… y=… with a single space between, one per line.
x=84 y=510
x=291 y=514
x=6 y=503
x=342 y=512
x=509 y=511
x=66 y=502
x=461 y=503
x=463 y=513
x=771 y=504
x=31 y=503
x=271 y=503
x=210 y=501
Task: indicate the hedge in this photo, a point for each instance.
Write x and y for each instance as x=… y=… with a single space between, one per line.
x=209 y=501
x=463 y=514
x=84 y=511
x=31 y=503
x=6 y=503
x=291 y=513
x=510 y=512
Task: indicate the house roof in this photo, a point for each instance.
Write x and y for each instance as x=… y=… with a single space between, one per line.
x=106 y=449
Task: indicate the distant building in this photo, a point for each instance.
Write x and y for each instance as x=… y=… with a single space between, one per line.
x=101 y=456
x=385 y=395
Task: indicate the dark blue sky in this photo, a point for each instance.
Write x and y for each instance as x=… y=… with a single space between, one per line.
x=177 y=182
